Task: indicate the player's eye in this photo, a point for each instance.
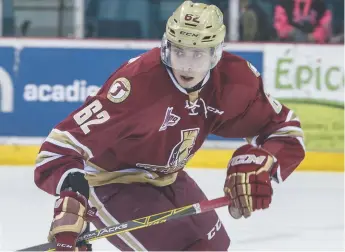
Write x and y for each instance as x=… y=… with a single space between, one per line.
x=198 y=55
x=178 y=52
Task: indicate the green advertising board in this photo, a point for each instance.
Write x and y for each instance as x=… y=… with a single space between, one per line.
x=309 y=79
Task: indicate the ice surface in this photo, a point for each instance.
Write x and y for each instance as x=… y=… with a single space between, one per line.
x=307 y=212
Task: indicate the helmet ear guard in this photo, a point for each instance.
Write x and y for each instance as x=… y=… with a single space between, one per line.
x=165 y=50
x=217 y=54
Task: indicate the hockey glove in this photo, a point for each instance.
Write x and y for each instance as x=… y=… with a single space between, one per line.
x=248 y=182
x=71 y=214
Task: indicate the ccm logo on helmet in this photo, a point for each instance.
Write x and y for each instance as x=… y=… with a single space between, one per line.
x=247 y=159
x=189 y=34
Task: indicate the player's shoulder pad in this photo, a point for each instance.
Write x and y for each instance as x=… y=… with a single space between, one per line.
x=131 y=82
x=238 y=71
x=240 y=81
x=141 y=64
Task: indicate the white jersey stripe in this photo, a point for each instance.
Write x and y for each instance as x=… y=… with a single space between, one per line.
x=47 y=160
x=75 y=141
x=60 y=144
x=110 y=220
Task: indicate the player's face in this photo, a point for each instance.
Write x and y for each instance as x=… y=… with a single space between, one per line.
x=190 y=65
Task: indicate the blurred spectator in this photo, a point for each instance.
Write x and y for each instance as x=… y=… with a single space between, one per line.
x=255 y=21
x=303 y=21
x=337 y=7
x=317 y=21
x=8 y=18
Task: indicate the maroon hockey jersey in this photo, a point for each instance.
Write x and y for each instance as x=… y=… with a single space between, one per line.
x=143 y=127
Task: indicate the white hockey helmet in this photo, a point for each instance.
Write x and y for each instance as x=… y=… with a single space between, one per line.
x=194 y=25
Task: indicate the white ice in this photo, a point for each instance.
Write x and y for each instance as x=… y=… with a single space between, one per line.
x=307 y=213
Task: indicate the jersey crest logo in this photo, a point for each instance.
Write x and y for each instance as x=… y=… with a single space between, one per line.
x=182 y=151
x=180 y=154
x=170 y=119
x=119 y=90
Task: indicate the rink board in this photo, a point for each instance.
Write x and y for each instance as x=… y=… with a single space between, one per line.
x=43 y=80
x=207 y=158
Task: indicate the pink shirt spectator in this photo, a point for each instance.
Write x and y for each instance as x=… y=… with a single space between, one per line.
x=289 y=14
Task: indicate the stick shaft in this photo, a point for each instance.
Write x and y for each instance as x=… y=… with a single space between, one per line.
x=201 y=207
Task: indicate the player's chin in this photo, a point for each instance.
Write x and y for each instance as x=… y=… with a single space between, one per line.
x=187 y=83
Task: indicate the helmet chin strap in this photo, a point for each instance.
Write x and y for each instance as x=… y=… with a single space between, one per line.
x=192 y=89
x=196 y=87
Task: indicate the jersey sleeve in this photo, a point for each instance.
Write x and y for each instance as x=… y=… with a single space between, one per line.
x=263 y=121
x=85 y=133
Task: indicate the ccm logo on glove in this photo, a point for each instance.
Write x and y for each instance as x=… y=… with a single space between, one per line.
x=247 y=159
x=61 y=245
x=248 y=181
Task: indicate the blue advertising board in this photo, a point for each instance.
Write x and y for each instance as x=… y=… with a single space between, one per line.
x=40 y=86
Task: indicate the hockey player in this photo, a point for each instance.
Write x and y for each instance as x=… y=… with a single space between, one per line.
x=123 y=151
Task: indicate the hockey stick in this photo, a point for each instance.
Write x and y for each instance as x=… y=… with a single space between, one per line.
x=201 y=207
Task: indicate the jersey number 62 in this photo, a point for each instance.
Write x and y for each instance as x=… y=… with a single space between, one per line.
x=82 y=118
